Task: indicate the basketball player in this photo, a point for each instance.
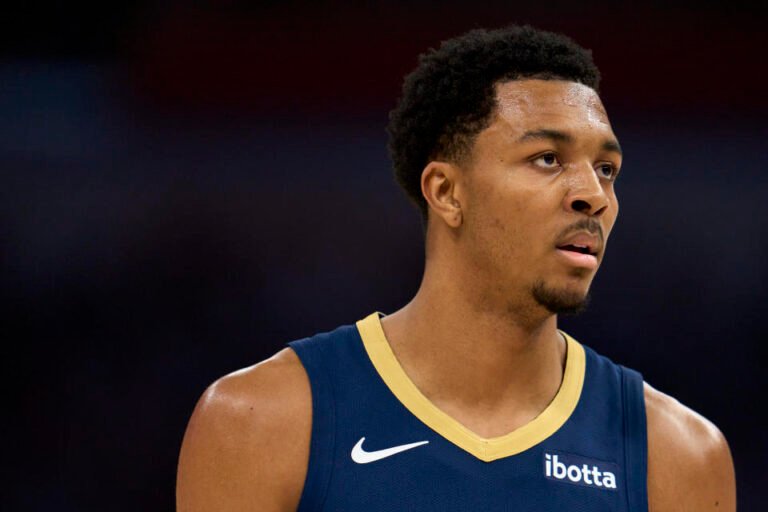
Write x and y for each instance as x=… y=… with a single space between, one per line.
x=469 y=397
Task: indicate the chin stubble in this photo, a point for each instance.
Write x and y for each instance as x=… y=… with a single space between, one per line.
x=560 y=302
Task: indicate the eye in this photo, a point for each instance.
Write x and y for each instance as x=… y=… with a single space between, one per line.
x=547 y=161
x=607 y=171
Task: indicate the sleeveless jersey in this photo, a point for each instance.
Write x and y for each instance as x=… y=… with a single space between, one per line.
x=378 y=444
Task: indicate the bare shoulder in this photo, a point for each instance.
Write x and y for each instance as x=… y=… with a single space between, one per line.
x=689 y=462
x=247 y=443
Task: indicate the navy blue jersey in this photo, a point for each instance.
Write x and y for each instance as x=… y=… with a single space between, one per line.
x=378 y=444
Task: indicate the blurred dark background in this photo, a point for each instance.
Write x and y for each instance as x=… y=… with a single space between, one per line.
x=186 y=186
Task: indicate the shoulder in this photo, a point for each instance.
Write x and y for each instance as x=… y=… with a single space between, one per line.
x=247 y=443
x=689 y=462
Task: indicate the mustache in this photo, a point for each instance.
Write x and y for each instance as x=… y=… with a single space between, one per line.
x=590 y=225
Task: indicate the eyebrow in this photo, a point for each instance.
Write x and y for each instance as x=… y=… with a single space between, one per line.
x=558 y=136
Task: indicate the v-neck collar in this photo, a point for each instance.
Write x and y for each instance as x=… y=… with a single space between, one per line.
x=486 y=449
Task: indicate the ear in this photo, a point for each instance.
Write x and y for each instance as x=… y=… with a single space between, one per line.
x=441 y=187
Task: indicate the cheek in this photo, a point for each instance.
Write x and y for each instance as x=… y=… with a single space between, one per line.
x=611 y=216
x=502 y=228
x=505 y=215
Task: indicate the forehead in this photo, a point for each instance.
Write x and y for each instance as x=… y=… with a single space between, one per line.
x=526 y=104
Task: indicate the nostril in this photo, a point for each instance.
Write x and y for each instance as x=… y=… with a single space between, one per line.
x=580 y=206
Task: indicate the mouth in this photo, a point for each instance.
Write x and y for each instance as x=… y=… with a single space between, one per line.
x=579 y=249
x=578 y=256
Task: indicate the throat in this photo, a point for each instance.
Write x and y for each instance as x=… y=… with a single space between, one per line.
x=490 y=385
x=494 y=420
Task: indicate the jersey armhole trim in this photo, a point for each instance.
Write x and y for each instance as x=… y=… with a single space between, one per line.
x=635 y=440
x=323 y=433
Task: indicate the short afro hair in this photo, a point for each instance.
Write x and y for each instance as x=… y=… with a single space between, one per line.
x=450 y=97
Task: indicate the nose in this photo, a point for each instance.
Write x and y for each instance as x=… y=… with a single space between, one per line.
x=585 y=192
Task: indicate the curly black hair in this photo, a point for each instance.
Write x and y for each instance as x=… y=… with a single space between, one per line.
x=450 y=97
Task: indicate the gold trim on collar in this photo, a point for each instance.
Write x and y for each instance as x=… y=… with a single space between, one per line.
x=486 y=449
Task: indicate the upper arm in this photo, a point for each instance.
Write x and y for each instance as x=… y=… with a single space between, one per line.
x=247 y=443
x=689 y=462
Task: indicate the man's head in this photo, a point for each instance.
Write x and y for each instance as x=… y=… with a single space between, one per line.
x=501 y=139
x=450 y=97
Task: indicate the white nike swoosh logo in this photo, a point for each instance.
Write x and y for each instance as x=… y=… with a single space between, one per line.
x=363 y=457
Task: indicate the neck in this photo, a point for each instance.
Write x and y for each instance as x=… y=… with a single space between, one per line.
x=494 y=365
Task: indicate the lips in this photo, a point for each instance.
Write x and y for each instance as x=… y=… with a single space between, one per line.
x=580 y=249
x=581 y=243
x=577 y=259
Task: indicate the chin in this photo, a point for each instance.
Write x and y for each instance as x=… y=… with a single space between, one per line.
x=561 y=300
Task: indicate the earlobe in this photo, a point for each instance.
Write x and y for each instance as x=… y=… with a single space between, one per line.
x=440 y=187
